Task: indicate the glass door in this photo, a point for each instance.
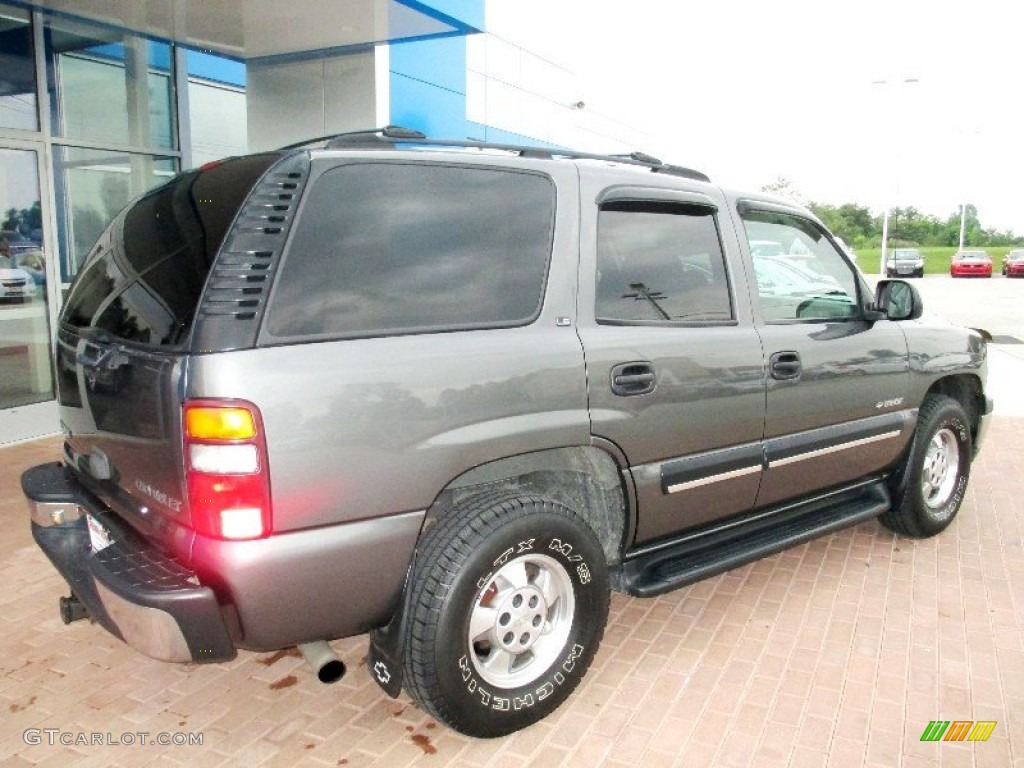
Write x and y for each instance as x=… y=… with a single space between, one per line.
x=26 y=381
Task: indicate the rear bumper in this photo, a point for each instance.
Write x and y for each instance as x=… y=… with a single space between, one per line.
x=133 y=590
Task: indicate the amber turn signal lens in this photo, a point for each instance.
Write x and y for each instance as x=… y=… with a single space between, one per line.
x=219 y=423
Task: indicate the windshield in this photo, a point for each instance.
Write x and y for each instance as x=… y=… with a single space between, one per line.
x=907 y=255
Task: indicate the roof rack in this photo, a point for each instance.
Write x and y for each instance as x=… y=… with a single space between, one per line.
x=391 y=136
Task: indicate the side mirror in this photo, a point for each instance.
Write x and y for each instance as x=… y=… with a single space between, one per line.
x=898 y=300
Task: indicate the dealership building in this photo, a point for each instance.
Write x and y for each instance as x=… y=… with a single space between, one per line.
x=101 y=100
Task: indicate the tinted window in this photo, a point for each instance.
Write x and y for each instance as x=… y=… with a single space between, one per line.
x=807 y=278
x=18 y=82
x=660 y=262
x=390 y=248
x=145 y=285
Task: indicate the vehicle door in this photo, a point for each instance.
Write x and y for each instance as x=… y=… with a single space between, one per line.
x=675 y=370
x=837 y=382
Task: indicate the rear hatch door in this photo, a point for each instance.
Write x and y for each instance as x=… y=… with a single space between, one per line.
x=123 y=344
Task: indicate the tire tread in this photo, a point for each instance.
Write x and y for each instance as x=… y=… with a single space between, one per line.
x=442 y=550
x=903 y=518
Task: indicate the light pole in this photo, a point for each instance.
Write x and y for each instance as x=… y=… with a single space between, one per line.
x=885 y=211
x=963 y=224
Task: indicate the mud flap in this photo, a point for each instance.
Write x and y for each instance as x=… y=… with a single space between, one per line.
x=387 y=646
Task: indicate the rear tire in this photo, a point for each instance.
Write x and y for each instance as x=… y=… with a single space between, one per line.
x=937 y=470
x=509 y=602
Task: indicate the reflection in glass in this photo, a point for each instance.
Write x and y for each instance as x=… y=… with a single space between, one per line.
x=24 y=332
x=92 y=186
x=660 y=262
x=17 y=71
x=391 y=248
x=107 y=85
x=216 y=107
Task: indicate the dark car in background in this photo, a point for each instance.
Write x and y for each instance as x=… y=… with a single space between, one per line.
x=906 y=262
x=1013 y=263
x=971 y=264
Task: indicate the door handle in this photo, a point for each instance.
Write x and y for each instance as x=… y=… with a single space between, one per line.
x=630 y=379
x=785 y=366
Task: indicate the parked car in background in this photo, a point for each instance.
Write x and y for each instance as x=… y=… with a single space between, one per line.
x=33 y=262
x=766 y=248
x=905 y=261
x=15 y=284
x=1013 y=263
x=970 y=263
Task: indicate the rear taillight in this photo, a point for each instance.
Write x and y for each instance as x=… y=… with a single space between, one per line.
x=226 y=468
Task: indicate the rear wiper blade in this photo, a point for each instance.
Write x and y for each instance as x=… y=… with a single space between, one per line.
x=98 y=335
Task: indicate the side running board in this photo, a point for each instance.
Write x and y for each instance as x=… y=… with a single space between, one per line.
x=720 y=548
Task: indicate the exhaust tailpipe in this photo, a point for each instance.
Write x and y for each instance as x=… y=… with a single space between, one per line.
x=325 y=663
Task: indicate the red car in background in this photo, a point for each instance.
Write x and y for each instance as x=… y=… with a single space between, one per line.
x=1013 y=263
x=968 y=263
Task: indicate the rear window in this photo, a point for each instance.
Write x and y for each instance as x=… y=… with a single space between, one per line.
x=389 y=248
x=145 y=284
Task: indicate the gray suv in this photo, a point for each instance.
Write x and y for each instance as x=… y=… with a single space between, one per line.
x=450 y=394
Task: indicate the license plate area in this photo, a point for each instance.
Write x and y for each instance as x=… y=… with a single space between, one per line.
x=99 y=536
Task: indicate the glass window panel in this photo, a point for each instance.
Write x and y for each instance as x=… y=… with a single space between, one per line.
x=800 y=273
x=217 y=107
x=17 y=71
x=391 y=248
x=24 y=331
x=107 y=85
x=660 y=262
x=92 y=187
x=144 y=282
x=217 y=121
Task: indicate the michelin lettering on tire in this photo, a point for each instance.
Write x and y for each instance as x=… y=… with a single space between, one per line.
x=512 y=597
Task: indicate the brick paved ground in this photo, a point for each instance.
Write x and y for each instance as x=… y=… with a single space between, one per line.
x=835 y=653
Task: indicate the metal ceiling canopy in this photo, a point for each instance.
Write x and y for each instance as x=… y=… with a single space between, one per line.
x=262 y=29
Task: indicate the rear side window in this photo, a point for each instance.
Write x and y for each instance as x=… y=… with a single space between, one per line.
x=660 y=263
x=389 y=248
x=144 y=286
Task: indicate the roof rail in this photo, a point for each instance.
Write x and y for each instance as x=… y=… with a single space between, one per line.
x=390 y=136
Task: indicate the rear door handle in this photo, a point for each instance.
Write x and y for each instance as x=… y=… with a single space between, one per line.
x=630 y=379
x=785 y=366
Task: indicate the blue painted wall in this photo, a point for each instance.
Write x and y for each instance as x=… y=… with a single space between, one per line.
x=217 y=68
x=481 y=132
x=428 y=86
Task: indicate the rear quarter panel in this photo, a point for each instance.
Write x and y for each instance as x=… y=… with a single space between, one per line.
x=369 y=427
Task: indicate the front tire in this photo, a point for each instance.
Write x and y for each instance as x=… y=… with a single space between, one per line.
x=937 y=470
x=509 y=602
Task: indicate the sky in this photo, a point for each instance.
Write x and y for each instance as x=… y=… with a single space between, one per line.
x=813 y=91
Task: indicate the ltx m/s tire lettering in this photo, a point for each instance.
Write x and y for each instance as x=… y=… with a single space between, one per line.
x=509 y=605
